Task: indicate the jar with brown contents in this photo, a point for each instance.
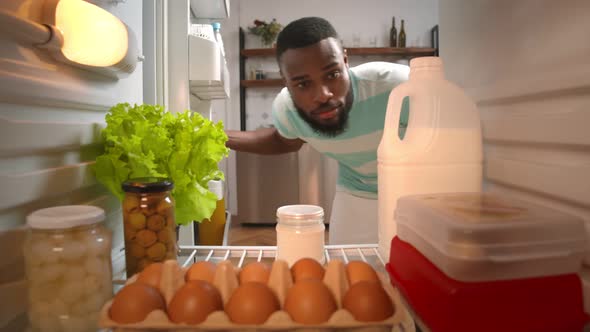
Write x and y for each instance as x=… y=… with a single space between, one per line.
x=149 y=225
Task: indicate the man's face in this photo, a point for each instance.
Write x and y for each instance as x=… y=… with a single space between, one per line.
x=319 y=84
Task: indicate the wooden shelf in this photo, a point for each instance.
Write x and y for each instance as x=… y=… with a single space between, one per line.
x=394 y=51
x=261 y=83
x=388 y=54
x=252 y=52
x=405 y=51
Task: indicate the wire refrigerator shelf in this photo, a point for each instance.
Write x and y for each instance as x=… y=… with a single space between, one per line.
x=240 y=255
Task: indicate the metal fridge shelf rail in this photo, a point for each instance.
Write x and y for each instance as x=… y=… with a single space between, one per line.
x=195 y=253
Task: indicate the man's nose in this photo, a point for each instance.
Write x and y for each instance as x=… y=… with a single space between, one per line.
x=323 y=94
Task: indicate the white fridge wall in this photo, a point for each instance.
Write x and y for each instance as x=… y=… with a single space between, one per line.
x=50 y=117
x=527 y=65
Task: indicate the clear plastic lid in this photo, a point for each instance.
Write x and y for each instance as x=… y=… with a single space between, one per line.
x=67 y=216
x=498 y=227
x=300 y=214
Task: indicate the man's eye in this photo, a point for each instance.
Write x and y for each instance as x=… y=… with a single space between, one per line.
x=334 y=75
x=302 y=85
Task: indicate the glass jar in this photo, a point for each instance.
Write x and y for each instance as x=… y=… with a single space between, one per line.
x=68 y=268
x=211 y=230
x=149 y=224
x=300 y=233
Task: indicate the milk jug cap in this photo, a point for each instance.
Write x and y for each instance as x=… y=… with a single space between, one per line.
x=426 y=61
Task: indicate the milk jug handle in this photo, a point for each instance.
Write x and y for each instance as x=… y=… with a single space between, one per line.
x=394 y=114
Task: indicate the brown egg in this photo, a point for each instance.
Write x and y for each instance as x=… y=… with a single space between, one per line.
x=358 y=271
x=251 y=303
x=307 y=268
x=134 y=302
x=193 y=302
x=256 y=272
x=310 y=301
x=367 y=301
x=203 y=270
x=151 y=275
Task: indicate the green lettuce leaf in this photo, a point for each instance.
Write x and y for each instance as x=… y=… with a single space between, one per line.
x=147 y=141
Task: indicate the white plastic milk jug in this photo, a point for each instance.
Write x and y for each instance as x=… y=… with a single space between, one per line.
x=431 y=143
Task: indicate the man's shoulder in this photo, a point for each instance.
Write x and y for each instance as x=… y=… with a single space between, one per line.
x=381 y=71
x=377 y=78
x=284 y=115
x=283 y=101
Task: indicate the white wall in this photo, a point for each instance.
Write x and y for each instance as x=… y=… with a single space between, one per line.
x=527 y=65
x=50 y=117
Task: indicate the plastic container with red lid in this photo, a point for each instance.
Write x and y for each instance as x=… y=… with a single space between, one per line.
x=483 y=262
x=484 y=236
x=547 y=304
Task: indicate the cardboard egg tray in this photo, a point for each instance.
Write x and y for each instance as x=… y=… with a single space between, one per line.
x=226 y=281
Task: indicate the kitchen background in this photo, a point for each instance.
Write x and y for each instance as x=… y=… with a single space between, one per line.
x=262 y=183
x=525 y=63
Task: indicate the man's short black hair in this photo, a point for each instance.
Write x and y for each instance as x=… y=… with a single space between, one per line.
x=304 y=32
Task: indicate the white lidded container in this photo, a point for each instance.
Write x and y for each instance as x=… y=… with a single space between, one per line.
x=300 y=233
x=67 y=255
x=486 y=237
x=431 y=143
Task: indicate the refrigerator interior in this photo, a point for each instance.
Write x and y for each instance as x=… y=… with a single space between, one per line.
x=526 y=64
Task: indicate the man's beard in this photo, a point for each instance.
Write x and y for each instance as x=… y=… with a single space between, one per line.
x=330 y=130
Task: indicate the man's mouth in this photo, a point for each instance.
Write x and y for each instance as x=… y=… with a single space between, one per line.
x=328 y=112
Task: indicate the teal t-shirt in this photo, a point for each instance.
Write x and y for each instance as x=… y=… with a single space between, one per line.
x=356 y=148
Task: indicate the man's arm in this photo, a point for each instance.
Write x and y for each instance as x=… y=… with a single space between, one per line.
x=262 y=141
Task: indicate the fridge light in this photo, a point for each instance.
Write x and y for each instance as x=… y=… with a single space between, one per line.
x=87 y=36
x=91 y=35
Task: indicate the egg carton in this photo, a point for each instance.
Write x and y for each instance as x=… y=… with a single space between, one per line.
x=226 y=281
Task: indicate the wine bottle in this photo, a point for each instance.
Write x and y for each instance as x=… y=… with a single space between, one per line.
x=401 y=40
x=393 y=34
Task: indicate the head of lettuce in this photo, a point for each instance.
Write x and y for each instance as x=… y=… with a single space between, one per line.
x=147 y=141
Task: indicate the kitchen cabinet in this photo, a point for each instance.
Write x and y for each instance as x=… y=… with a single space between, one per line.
x=388 y=53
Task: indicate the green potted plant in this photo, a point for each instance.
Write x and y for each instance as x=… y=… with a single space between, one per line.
x=267 y=32
x=147 y=141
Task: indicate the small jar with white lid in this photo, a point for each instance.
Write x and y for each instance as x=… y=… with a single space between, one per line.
x=67 y=255
x=300 y=233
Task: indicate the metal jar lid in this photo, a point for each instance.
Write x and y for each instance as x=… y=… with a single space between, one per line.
x=147 y=185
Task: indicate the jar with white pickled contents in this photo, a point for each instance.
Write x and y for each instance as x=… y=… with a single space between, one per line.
x=300 y=233
x=67 y=255
x=149 y=223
